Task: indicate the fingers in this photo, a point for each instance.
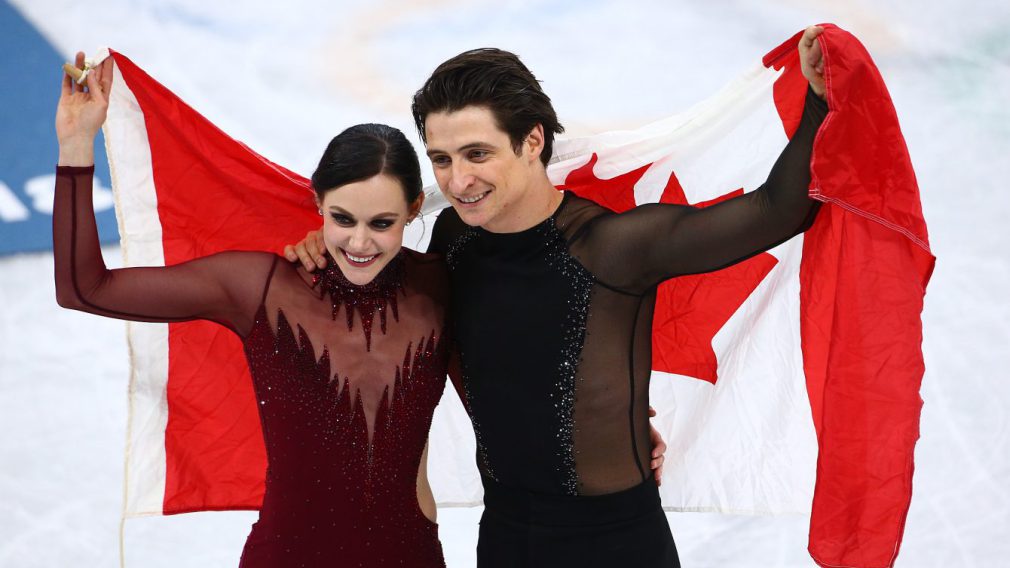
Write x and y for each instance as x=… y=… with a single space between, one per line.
x=97 y=72
x=67 y=88
x=656 y=464
x=810 y=34
x=810 y=46
x=658 y=452
x=317 y=248
x=94 y=87
x=658 y=446
x=309 y=252
x=658 y=457
x=105 y=70
x=808 y=42
x=290 y=254
x=304 y=257
x=79 y=63
x=812 y=59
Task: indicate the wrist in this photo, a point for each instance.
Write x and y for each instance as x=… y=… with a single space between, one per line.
x=76 y=153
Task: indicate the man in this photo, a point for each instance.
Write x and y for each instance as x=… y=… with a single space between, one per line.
x=552 y=302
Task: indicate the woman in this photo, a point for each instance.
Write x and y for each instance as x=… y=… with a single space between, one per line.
x=347 y=366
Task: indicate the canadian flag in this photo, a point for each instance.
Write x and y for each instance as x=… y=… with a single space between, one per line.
x=787 y=380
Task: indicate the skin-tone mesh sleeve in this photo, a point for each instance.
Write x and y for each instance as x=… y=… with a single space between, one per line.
x=226 y=287
x=638 y=249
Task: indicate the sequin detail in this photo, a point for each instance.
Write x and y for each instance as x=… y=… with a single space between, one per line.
x=458 y=244
x=335 y=493
x=580 y=287
x=578 y=284
x=452 y=256
x=366 y=299
x=486 y=469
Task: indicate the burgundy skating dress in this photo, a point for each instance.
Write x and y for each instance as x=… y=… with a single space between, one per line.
x=346 y=380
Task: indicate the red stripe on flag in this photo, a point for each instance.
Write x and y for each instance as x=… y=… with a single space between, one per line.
x=863 y=275
x=214 y=194
x=860 y=297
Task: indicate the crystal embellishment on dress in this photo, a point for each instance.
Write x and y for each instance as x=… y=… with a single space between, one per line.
x=379 y=295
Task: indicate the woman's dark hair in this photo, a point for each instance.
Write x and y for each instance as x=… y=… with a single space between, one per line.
x=366 y=150
x=495 y=79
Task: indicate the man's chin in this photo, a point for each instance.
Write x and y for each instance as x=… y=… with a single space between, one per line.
x=470 y=216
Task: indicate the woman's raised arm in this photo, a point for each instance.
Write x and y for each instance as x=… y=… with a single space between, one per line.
x=226 y=287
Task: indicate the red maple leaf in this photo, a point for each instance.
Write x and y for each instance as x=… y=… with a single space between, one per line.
x=690 y=310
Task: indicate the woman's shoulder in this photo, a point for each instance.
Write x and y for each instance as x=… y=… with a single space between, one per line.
x=433 y=260
x=426 y=271
x=244 y=262
x=281 y=271
x=431 y=264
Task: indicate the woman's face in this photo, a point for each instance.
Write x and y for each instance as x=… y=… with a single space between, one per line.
x=363 y=225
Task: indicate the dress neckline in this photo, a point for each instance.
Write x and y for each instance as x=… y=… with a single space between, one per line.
x=379 y=295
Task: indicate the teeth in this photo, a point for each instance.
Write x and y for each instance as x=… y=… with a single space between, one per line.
x=360 y=258
x=473 y=199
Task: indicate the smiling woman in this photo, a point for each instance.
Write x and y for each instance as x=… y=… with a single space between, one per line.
x=379 y=181
x=345 y=412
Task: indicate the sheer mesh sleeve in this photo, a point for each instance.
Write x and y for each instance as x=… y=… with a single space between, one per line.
x=225 y=287
x=646 y=245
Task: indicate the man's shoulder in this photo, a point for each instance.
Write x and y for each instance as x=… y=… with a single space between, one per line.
x=448 y=227
x=448 y=218
x=578 y=214
x=584 y=203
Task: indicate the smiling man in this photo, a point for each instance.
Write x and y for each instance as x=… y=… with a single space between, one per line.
x=552 y=304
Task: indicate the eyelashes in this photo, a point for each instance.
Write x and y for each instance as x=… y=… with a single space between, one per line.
x=378 y=224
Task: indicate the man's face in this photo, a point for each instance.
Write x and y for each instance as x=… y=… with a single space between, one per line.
x=476 y=167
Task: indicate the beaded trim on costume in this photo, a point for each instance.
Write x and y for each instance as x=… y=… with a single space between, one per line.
x=379 y=295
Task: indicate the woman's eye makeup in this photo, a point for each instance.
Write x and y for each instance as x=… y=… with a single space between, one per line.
x=378 y=224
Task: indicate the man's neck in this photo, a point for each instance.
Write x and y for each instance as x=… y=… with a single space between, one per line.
x=538 y=203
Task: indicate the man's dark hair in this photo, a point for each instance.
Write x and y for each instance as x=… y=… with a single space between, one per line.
x=494 y=79
x=366 y=150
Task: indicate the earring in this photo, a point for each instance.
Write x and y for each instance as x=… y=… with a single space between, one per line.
x=320 y=212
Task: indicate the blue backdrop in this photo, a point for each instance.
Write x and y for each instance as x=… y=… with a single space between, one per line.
x=28 y=150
